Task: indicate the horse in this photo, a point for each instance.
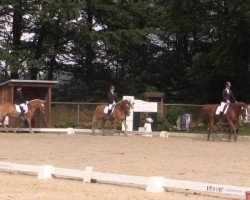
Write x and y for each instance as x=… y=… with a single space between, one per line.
x=121 y=110
x=235 y=110
x=9 y=109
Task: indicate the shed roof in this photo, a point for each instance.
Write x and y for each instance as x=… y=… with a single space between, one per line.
x=29 y=82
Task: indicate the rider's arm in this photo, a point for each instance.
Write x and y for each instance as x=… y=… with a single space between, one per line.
x=110 y=98
x=224 y=96
x=233 y=97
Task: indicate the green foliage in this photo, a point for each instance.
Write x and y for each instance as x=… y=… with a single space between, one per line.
x=168 y=122
x=67 y=123
x=244 y=130
x=184 y=48
x=173 y=113
x=164 y=125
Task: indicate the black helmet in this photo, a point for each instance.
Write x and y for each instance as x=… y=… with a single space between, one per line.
x=228 y=83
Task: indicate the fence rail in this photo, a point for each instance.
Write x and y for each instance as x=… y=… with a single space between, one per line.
x=82 y=112
x=152 y=184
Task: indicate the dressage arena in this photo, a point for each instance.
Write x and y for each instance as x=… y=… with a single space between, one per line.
x=179 y=158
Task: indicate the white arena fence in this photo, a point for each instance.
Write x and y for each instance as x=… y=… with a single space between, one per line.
x=152 y=184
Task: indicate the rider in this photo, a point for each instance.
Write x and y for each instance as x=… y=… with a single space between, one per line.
x=227 y=96
x=20 y=101
x=112 y=98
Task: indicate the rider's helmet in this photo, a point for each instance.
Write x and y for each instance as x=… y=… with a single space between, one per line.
x=19 y=88
x=228 y=84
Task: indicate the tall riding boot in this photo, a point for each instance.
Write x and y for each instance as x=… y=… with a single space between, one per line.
x=220 y=118
x=109 y=113
x=22 y=113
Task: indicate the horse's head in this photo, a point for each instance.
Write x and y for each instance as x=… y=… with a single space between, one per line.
x=242 y=108
x=37 y=104
x=126 y=105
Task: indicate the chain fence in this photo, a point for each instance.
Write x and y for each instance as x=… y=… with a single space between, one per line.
x=81 y=114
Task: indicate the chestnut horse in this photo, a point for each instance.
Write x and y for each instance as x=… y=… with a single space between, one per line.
x=121 y=110
x=9 y=109
x=235 y=110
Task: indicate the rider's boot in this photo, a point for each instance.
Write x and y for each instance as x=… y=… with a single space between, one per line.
x=22 y=113
x=220 y=118
x=109 y=113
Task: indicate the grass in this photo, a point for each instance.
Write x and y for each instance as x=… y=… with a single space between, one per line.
x=245 y=130
x=201 y=129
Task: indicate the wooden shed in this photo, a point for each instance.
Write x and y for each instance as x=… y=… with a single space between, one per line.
x=32 y=89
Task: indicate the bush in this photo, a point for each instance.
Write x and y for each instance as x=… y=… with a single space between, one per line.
x=168 y=122
x=163 y=124
x=67 y=123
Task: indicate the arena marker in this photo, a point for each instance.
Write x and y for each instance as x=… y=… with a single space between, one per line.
x=45 y=172
x=163 y=134
x=155 y=184
x=87 y=174
x=70 y=131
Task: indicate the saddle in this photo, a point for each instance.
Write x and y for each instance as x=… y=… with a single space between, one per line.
x=25 y=107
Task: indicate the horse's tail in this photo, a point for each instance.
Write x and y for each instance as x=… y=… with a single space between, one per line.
x=97 y=117
x=204 y=114
x=98 y=112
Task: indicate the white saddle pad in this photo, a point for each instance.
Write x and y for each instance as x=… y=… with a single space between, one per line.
x=106 y=109
x=25 y=108
x=220 y=109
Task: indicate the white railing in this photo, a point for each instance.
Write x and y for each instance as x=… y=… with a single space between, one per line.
x=152 y=184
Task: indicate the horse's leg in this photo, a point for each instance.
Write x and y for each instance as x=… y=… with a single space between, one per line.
x=29 y=123
x=232 y=130
x=2 y=119
x=93 y=126
x=208 y=134
x=125 y=126
x=103 y=121
x=114 y=127
x=19 y=125
x=210 y=130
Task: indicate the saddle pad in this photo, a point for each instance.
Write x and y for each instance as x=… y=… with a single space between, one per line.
x=220 y=108
x=25 y=107
x=106 y=109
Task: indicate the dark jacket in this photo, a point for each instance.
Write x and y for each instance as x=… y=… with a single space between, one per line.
x=112 y=97
x=18 y=97
x=228 y=96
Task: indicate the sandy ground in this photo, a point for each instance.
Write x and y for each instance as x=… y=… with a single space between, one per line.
x=173 y=157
